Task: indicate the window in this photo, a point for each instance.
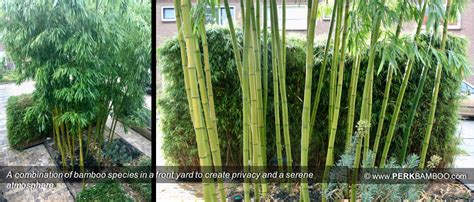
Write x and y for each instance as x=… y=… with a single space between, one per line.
x=167 y=14
x=223 y=15
x=466 y=88
x=295 y=17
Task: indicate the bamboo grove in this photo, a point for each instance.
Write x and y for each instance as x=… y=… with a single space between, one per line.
x=90 y=66
x=357 y=30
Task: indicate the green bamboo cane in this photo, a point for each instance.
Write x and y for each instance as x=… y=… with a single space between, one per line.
x=366 y=109
x=276 y=106
x=58 y=137
x=81 y=157
x=434 y=98
x=333 y=70
x=411 y=115
x=265 y=67
x=282 y=87
x=406 y=77
x=385 y=96
x=322 y=72
x=338 y=91
x=256 y=86
x=71 y=137
x=214 y=138
x=363 y=128
x=307 y=99
x=255 y=21
x=88 y=142
x=382 y=111
x=66 y=147
x=352 y=99
x=184 y=59
x=249 y=63
x=198 y=122
x=245 y=97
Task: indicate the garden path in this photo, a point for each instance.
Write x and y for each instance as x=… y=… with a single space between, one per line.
x=466 y=133
x=34 y=156
x=172 y=191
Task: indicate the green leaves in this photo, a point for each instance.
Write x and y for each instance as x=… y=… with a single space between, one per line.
x=76 y=53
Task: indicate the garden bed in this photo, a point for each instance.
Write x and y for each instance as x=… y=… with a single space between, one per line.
x=120 y=153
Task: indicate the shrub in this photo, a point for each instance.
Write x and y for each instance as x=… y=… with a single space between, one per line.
x=23 y=123
x=144 y=189
x=179 y=138
x=104 y=191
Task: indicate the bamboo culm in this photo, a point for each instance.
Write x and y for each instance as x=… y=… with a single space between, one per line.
x=406 y=77
x=434 y=98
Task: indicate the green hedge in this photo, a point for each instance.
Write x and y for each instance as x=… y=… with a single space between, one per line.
x=24 y=128
x=179 y=139
x=144 y=189
x=104 y=191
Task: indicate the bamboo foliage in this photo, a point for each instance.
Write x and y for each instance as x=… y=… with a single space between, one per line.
x=400 y=96
x=81 y=90
x=434 y=99
x=391 y=66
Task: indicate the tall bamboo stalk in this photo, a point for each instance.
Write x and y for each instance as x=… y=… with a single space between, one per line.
x=276 y=106
x=265 y=67
x=352 y=99
x=411 y=115
x=386 y=94
x=81 y=157
x=322 y=72
x=305 y=128
x=211 y=112
x=400 y=96
x=282 y=82
x=415 y=102
x=337 y=62
x=245 y=94
x=198 y=122
x=434 y=98
x=366 y=109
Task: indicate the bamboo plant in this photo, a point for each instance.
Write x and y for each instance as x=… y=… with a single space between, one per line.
x=82 y=94
x=400 y=96
x=434 y=98
x=305 y=128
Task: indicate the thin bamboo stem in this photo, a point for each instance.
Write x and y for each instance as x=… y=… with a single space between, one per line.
x=406 y=77
x=434 y=98
x=305 y=128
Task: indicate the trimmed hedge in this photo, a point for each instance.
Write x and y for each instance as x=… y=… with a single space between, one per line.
x=104 y=191
x=23 y=127
x=179 y=138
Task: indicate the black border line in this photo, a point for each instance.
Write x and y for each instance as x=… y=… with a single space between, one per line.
x=153 y=95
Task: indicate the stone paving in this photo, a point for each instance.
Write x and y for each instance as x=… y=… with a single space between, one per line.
x=173 y=191
x=34 y=156
x=466 y=160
